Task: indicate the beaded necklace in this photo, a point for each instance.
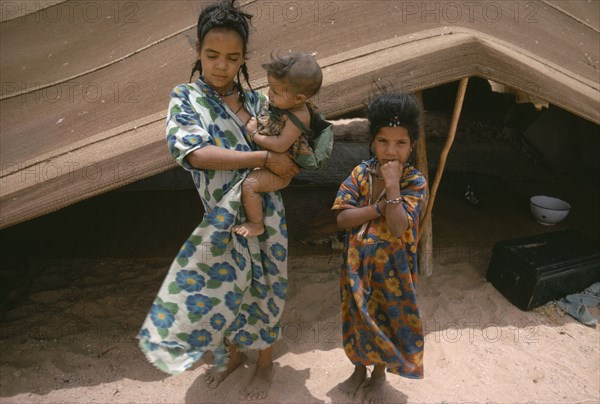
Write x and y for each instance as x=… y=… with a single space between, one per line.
x=227 y=93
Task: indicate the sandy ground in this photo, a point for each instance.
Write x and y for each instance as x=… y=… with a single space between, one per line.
x=73 y=338
x=77 y=344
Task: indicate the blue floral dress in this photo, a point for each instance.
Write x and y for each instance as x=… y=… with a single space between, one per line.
x=220 y=285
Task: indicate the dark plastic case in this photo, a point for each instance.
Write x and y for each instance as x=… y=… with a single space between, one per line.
x=533 y=270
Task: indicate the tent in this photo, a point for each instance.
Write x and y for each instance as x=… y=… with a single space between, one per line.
x=85 y=85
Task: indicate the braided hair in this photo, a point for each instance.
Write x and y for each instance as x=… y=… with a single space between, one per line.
x=224 y=14
x=394 y=109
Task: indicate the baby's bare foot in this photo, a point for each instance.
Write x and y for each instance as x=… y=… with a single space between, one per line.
x=213 y=378
x=350 y=386
x=259 y=385
x=249 y=229
x=375 y=390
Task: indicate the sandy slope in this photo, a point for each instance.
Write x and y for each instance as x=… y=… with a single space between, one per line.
x=479 y=348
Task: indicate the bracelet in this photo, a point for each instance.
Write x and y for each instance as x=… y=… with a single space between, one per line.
x=266 y=158
x=394 y=201
x=377 y=209
x=254 y=132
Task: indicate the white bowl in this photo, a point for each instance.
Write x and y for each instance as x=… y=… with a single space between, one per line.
x=547 y=210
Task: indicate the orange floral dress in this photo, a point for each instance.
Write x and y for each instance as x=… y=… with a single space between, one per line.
x=380 y=318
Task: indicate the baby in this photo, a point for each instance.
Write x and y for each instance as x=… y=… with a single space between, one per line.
x=282 y=126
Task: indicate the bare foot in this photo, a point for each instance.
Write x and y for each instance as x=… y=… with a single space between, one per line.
x=249 y=229
x=259 y=385
x=350 y=386
x=213 y=378
x=375 y=390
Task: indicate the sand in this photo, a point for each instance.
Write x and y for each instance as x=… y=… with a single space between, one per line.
x=77 y=343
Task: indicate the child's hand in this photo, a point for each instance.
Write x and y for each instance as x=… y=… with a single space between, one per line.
x=252 y=124
x=282 y=165
x=392 y=172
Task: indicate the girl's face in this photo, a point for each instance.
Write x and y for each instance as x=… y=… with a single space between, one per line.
x=221 y=55
x=392 y=144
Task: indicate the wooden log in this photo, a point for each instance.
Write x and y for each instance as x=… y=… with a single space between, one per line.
x=351 y=130
x=425 y=244
x=460 y=96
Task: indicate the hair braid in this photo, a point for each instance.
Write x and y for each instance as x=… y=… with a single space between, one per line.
x=197 y=68
x=244 y=70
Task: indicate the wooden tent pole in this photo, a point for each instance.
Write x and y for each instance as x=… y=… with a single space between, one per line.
x=425 y=246
x=460 y=96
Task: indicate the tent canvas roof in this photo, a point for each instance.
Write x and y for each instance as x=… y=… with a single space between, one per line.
x=82 y=110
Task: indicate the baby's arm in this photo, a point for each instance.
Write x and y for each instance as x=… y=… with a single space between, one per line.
x=282 y=142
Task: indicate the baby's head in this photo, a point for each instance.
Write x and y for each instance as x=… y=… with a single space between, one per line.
x=293 y=78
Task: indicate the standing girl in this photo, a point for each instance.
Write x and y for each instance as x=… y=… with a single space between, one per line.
x=379 y=205
x=223 y=292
